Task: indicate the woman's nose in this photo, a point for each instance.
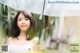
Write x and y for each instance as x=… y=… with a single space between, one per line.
x=23 y=21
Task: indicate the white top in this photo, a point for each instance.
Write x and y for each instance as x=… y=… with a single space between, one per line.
x=22 y=48
x=19 y=48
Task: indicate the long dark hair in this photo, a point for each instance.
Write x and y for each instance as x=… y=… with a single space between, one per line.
x=15 y=31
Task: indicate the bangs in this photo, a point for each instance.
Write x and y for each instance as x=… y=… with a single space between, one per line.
x=26 y=15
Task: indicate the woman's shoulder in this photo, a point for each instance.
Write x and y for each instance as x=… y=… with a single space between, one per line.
x=9 y=40
x=36 y=44
x=35 y=39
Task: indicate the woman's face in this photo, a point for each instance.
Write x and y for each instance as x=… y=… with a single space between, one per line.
x=23 y=23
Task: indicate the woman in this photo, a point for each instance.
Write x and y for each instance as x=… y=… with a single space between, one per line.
x=19 y=41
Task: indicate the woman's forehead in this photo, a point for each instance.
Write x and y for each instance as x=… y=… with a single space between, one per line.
x=22 y=15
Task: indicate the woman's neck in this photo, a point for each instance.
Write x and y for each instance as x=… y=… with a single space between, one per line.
x=22 y=35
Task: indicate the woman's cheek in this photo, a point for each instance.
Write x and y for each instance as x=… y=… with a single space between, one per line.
x=28 y=23
x=19 y=24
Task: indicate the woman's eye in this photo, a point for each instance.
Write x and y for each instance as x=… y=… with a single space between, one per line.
x=19 y=19
x=26 y=19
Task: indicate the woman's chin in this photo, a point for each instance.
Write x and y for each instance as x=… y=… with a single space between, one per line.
x=24 y=30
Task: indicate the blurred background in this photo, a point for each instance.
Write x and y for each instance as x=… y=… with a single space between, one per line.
x=56 y=34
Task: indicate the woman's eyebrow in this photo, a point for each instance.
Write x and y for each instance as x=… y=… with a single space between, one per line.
x=19 y=18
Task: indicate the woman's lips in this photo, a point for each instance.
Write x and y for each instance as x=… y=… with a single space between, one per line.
x=23 y=25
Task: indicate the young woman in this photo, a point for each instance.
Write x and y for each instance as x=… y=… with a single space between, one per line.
x=19 y=41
